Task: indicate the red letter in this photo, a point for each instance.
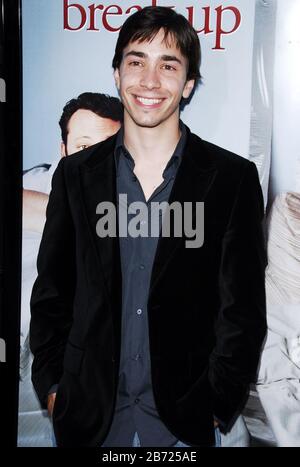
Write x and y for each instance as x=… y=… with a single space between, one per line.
x=66 y=15
x=219 y=30
x=92 y=9
x=106 y=13
x=137 y=7
x=206 y=28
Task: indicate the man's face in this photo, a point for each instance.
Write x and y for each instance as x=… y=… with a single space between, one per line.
x=86 y=128
x=152 y=80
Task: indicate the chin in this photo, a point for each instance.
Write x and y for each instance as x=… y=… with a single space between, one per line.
x=147 y=124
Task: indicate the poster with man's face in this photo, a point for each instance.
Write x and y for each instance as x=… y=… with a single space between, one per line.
x=68 y=48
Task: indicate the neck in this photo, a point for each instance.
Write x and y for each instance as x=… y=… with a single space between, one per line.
x=154 y=145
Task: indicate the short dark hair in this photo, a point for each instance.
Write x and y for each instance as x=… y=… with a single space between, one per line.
x=145 y=24
x=101 y=104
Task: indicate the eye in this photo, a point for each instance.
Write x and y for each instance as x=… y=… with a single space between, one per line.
x=168 y=67
x=135 y=63
x=83 y=146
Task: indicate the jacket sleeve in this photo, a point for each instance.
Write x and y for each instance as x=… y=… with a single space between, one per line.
x=53 y=291
x=241 y=321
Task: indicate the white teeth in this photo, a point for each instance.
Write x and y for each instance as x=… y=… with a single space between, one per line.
x=146 y=101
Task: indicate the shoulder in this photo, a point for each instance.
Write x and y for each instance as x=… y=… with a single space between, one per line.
x=230 y=167
x=36 y=178
x=90 y=156
x=222 y=158
x=286 y=205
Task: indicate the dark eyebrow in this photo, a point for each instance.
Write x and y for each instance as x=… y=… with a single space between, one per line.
x=171 y=58
x=136 y=54
x=164 y=58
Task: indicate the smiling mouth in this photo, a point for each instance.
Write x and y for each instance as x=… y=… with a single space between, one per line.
x=148 y=101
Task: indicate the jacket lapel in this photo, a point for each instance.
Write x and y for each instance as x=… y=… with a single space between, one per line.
x=193 y=181
x=98 y=184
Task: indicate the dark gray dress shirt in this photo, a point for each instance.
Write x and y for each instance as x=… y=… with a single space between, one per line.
x=135 y=409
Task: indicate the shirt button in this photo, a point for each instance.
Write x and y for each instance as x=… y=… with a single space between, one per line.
x=142 y=267
x=137 y=400
x=139 y=311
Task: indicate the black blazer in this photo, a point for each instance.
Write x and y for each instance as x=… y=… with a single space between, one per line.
x=206 y=307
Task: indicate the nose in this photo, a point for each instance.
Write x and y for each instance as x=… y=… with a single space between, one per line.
x=150 y=78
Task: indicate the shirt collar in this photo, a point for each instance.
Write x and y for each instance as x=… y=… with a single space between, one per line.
x=120 y=148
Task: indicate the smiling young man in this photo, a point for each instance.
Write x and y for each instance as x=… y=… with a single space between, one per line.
x=151 y=343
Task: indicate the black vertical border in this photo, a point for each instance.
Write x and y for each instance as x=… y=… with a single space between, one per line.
x=11 y=217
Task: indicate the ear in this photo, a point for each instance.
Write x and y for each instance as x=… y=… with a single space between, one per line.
x=188 y=87
x=63 y=149
x=117 y=78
